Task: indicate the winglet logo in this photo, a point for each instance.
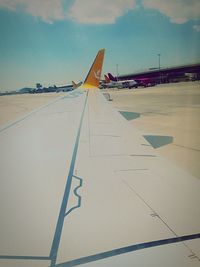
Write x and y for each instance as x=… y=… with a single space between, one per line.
x=97 y=74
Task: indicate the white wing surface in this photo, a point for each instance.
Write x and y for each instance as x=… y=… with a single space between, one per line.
x=80 y=186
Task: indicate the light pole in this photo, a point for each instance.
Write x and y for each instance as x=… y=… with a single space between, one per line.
x=117 y=72
x=159 y=55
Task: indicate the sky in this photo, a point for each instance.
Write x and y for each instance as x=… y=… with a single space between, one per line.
x=55 y=41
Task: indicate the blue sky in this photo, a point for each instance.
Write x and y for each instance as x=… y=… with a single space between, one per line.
x=55 y=41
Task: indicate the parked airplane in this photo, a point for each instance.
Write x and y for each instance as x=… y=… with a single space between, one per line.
x=114 y=82
x=145 y=82
x=70 y=87
x=81 y=186
x=107 y=83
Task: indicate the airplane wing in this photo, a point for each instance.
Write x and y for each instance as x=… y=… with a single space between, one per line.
x=80 y=186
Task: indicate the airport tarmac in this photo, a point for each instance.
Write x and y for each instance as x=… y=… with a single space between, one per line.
x=12 y=107
x=170 y=110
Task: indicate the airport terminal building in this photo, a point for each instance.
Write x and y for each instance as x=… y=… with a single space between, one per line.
x=189 y=72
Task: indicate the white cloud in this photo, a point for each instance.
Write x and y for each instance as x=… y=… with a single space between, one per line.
x=47 y=10
x=103 y=11
x=179 y=11
x=196 y=28
x=99 y=11
x=83 y=11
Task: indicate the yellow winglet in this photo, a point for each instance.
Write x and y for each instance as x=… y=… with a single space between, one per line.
x=94 y=74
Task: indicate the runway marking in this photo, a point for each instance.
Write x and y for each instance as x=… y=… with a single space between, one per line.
x=115 y=252
x=62 y=213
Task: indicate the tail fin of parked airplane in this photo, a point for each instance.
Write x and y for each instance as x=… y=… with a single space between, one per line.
x=107 y=80
x=94 y=74
x=111 y=77
x=76 y=85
